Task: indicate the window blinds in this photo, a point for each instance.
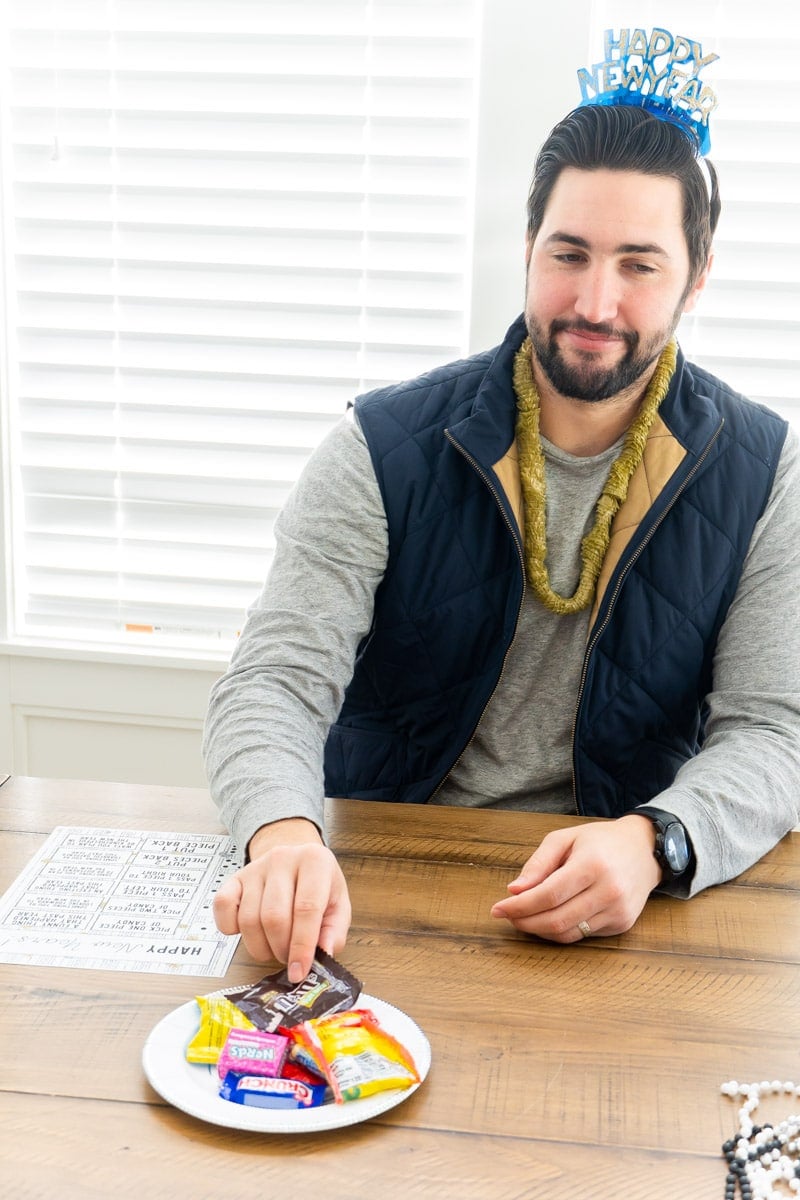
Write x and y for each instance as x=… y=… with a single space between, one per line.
x=223 y=221
x=746 y=328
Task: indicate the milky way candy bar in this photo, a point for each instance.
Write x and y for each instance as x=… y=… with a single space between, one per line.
x=274 y=1001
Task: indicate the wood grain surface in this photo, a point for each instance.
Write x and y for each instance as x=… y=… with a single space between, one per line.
x=585 y=1071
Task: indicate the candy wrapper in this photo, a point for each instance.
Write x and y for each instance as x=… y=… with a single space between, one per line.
x=274 y=1001
x=292 y=1069
x=355 y=1054
x=218 y=1016
x=260 y=1092
x=253 y=1052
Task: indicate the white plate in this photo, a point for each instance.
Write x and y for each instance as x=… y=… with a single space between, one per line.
x=193 y=1087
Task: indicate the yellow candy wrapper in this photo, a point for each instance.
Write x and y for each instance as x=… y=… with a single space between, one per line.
x=218 y=1016
x=355 y=1053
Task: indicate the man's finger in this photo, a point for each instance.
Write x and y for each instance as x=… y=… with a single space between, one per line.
x=336 y=922
x=312 y=899
x=547 y=858
x=541 y=901
x=226 y=905
x=562 y=924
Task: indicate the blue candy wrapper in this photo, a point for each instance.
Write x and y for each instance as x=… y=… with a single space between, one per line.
x=263 y=1092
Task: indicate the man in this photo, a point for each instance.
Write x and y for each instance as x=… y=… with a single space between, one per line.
x=558 y=576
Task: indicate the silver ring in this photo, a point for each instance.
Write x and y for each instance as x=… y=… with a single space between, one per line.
x=585 y=928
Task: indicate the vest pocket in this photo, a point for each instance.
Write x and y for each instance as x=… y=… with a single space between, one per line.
x=364 y=764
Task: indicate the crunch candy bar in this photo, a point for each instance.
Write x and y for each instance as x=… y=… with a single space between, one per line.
x=261 y=1092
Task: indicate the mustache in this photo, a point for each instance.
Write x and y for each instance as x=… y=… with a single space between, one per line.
x=602 y=330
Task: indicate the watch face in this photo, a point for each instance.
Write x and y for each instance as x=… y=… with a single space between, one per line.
x=676 y=849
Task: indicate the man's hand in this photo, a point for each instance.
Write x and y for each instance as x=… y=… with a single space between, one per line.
x=290 y=898
x=600 y=874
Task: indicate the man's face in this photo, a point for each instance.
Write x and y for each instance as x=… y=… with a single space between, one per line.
x=607 y=280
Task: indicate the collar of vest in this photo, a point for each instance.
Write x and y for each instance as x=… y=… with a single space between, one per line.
x=689 y=410
x=488 y=431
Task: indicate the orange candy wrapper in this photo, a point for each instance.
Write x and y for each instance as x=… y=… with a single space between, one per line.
x=354 y=1053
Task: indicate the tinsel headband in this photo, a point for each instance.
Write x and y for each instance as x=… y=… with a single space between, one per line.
x=659 y=72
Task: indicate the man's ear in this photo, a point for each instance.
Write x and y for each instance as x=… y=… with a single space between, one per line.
x=697 y=290
x=528 y=249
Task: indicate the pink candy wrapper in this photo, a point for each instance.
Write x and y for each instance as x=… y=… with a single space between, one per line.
x=253 y=1052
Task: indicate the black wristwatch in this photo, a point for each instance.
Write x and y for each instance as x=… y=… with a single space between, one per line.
x=673 y=848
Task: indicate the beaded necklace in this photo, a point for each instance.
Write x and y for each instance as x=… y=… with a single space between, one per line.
x=532 y=478
x=762 y=1159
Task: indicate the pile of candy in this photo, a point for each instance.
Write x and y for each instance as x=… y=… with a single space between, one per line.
x=282 y=1045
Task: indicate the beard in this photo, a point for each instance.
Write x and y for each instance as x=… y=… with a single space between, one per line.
x=585 y=380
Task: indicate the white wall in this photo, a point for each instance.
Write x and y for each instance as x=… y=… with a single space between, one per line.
x=92 y=718
x=531 y=53
x=139 y=719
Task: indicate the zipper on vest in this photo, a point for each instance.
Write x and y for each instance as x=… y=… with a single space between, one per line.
x=598 y=633
x=498 y=501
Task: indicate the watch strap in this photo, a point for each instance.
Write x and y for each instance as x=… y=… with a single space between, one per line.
x=662 y=820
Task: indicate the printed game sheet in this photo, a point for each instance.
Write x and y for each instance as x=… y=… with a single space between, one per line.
x=120 y=900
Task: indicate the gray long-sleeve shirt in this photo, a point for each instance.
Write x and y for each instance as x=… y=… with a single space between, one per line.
x=270 y=713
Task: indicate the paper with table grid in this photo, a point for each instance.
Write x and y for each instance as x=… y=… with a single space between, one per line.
x=120 y=900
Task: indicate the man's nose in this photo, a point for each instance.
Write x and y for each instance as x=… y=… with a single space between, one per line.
x=598 y=295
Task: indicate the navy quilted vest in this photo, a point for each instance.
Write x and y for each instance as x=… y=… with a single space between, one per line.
x=446 y=610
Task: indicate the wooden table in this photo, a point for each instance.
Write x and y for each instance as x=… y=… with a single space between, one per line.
x=589 y=1071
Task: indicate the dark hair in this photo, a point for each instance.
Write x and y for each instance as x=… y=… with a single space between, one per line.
x=627 y=138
